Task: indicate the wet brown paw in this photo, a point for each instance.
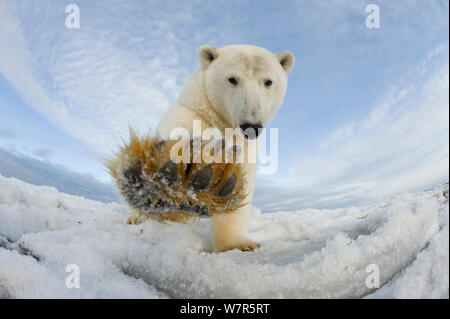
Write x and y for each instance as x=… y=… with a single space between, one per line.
x=153 y=183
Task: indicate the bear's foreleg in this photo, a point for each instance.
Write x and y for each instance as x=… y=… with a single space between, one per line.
x=229 y=231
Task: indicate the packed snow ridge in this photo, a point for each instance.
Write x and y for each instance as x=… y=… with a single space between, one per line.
x=304 y=254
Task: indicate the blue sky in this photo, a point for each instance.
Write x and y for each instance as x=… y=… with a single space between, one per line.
x=365 y=115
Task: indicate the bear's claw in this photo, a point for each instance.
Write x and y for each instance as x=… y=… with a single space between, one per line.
x=244 y=245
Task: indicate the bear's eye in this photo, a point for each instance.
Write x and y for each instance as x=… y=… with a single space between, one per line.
x=268 y=83
x=233 y=81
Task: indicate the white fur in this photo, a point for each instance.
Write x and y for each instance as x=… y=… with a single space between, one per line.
x=210 y=97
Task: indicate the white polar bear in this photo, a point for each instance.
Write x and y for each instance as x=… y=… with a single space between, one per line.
x=237 y=86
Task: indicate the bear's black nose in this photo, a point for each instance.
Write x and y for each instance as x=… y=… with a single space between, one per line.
x=251 y=130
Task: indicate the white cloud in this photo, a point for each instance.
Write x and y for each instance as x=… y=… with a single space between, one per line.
x=43 y=153
x=401 y=145
x=82 y=82
x=125 y=64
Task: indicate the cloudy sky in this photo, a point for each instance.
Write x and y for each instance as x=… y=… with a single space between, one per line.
x=365 y=116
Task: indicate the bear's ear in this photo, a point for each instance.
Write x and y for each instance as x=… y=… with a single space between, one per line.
x=207 y=54
x=286 y=60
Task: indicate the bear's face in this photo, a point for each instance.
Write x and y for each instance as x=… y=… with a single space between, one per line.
x=245 y=84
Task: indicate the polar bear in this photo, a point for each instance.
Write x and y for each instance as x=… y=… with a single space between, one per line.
x=239 y=87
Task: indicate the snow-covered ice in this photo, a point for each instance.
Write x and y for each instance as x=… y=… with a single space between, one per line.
x=305 y=254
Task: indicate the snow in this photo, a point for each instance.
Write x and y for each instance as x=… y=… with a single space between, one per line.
x=305 y=254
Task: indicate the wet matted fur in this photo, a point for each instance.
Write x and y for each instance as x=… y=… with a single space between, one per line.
x=157 y=187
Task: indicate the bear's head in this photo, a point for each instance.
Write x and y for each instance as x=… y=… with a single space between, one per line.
x=245 y=84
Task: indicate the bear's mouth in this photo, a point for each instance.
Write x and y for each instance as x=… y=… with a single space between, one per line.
x=251 y=130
